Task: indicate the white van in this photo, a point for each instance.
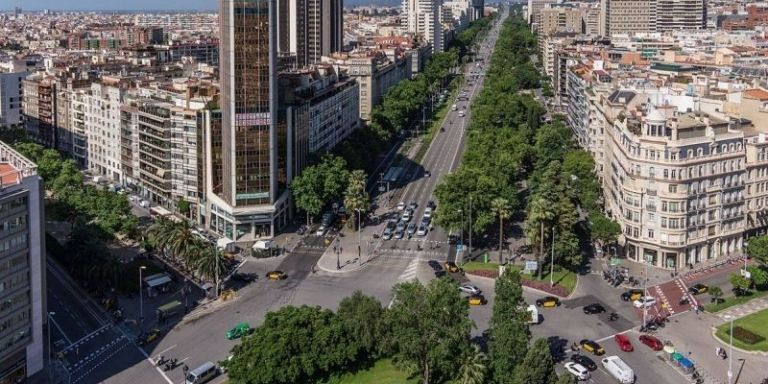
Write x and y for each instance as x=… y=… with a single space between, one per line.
x=619 y=369
x=202 y=374
x=454 y=107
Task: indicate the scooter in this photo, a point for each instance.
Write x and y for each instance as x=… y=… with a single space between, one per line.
x=613 y=316
x=161 y=360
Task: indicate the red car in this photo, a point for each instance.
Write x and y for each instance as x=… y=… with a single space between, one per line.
x=652 y=342
x=623 y=341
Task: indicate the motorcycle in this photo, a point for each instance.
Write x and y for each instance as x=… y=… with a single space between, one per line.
x=161 y=360
x=684 y=301
x=613 y=316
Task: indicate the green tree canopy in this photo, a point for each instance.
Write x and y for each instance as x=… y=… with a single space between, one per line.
x=537 y=367
x=429 y=328
x=509 y=331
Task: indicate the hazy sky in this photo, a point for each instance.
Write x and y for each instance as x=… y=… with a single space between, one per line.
x=7 y=5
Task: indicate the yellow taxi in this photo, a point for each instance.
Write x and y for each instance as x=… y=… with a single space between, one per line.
x=632 y=295
x=477 y=300
x=548 y=302
x=450 y=266
x=276 y=275
x=592 y=347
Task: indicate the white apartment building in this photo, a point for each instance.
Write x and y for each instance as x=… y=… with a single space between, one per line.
x=10 y=95
x=423 y=17
x=102 y=122
x=673 y=177
x=332 y=119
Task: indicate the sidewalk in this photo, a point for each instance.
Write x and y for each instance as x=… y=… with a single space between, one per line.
x=342 y=255
x=748 y=308
x=691 y=336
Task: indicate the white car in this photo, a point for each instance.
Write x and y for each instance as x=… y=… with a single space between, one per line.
x=428 y=213
x=577 y=370
x=645 y=301
x=461 y=113
x=422 y=230
x=471 y=289
x=321 y=230
x=400 y=206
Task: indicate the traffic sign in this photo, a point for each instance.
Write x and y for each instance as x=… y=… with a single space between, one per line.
x=531 y=266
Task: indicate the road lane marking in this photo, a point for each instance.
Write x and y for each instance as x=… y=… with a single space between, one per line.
x=166 y=350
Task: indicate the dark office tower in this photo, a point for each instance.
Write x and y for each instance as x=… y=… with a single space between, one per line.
x=252 y=152
x=324 y=28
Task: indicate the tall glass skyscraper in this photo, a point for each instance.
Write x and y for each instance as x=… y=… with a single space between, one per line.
x=247 y=178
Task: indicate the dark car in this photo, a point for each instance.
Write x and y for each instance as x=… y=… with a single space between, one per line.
x=698 y=289
x=593 y=309
x=243 y=277
x=431 y=204
x=585 y=361
x=549 y=301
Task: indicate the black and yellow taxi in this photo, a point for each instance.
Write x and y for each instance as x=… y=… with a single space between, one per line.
x=592 y=347
x=450 y=266
x=276 y=275
x=548 y=302
x=698 y=289
x=632 y=295
x=477 y=300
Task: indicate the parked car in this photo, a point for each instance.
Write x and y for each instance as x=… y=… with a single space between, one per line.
x=413 y=205
x=145 y=338
x=428 y=213
x=652 y=342
x=401 y=206
x=411 y=229
x=549 y=301
x=592 y=347
x=399 y=234
x=422 y=231
x=585 y=361
x=593 y=309
x=624 y=343
x=276 y=275
x=471 y=289
x=431 y=205
x=577 y=370
x=321 y=230
x=645 y=302
x=698 y=289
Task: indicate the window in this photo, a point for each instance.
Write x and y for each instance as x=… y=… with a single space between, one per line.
x=650 y=233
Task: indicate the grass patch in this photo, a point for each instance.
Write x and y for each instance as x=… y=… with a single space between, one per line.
x=730 y=301
x=754 y=323
x=382 y=372
x=473 y=266
x=563 y=278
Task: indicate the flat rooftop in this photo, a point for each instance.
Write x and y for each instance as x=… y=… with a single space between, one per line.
x=9 y=175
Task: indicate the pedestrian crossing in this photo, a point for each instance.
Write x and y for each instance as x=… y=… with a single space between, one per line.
x=410 y=271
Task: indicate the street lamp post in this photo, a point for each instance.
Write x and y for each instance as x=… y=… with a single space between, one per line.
x=141 y=298
x=461 y=229
x=337 y=249
x=359 y=236
x=645 y=293
x=730 y=350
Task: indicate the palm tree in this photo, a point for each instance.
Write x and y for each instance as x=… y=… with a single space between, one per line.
x=182 y=241
x=209 y=261
x=500 y=208
x=355 y=197
x=159 y=233
x=472 y=367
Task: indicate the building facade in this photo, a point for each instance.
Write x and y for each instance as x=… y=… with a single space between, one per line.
x=252 y=198
x=22 y=268
x=423 y=17
x=10 y=97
